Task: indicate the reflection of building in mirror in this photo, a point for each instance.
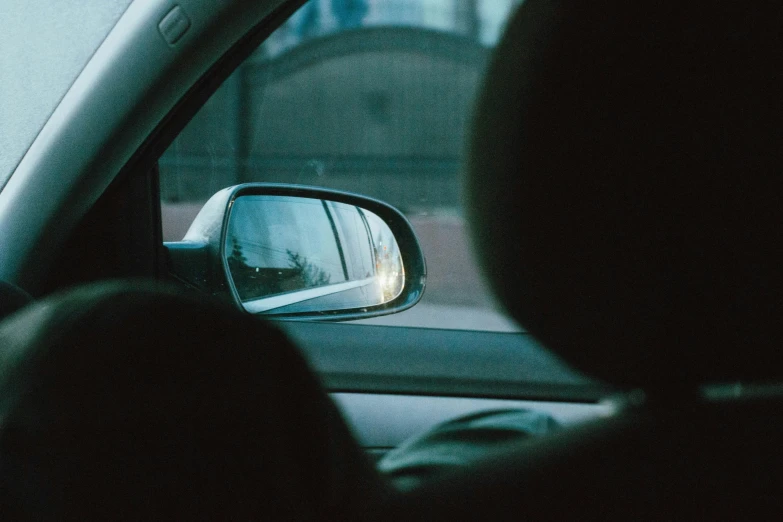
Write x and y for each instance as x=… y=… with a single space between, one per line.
x=289 y=254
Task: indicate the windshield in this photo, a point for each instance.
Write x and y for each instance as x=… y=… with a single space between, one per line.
x=45 y=45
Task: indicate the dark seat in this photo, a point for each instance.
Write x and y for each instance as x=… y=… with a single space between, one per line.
x=12 y=299
x=128 y=402
x=624 y=189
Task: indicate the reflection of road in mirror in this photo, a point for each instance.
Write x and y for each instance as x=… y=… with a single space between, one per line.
x=291 y=254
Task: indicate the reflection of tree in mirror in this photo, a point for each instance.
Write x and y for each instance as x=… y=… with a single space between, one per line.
x=310 y=274
x=237 y=259
x=255 y=282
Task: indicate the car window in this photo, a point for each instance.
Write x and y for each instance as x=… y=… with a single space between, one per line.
x=36 y=69
x=372 y=97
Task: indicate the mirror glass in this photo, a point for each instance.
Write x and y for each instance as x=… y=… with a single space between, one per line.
x=292 y=254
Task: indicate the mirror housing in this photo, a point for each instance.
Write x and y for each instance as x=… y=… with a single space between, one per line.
x=208 y=253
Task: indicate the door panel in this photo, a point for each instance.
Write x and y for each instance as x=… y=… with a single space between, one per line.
x=382 y=421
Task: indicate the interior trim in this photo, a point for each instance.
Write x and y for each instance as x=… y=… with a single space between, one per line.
x=428 y=361
x=383 y=421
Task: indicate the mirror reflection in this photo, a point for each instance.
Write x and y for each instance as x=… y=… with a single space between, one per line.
x=291 y=254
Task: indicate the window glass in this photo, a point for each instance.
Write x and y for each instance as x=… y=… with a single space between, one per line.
x=367 y=96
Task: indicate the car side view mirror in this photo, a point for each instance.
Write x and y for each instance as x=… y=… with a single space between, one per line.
x=298 y=252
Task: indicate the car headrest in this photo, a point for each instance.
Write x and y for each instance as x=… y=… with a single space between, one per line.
x=624 y=186
x=131 y=402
